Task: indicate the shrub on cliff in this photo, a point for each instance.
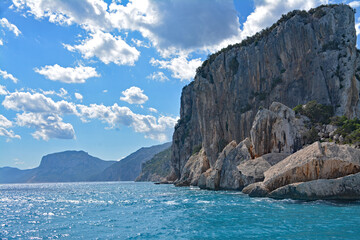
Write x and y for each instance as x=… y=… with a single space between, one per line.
x=348 y=128
x=317 y=113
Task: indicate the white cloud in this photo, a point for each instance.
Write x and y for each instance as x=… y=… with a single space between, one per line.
x=37 y=103
x=155 y=128
x=8 y=133
x=78 y=96
x=62 y=92
x=178 y=26
x=180 y=67
x=1 y=42
x=90 y=15
x=134 y=95
x=107 y=48
x=3 y=90
x=268 y=12
x=105 y=91
x=78 y=74
x=47 y=125
x=4 y=122
x=153 y=110
x=158 y=76
x=11 y=27
x=354 y=4
x=140 y=43
x=6 y=75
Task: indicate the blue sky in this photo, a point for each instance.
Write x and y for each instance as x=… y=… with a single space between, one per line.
x=106 y=76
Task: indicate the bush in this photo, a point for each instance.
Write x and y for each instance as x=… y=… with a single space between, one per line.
x=318 y=113
x=311 y=136
x=348 y=128
x=196 y=149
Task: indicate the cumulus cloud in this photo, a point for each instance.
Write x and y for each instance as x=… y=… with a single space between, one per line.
x=6 y=75
x=62 y=92
x=107 y=48
x=37 y=103
x=116 y=116
x=180 y=67
x=134 y=95
x=47 y=125
x=78 y=96
x=1 y=42
x=78 y=74
x=4 y=124
x=8 y=133
x=11 y=27
x=3 y=90
x=158 y=76
x=269 y=11
x=89 y=14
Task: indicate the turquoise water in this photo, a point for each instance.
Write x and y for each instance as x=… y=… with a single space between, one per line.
x=127 y=210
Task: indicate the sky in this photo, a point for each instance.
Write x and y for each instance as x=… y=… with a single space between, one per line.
x=105 y=76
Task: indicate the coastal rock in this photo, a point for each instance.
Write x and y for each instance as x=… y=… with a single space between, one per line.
x=344 y=188
x=194 y=167
x=277 y=130
x=225 y=174
x=317 y=161
x=256 y=190
x=304 y=56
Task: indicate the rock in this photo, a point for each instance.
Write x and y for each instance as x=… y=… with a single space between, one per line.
x=277 y=130
x=317 y=161
x=341 y=139
x=252 y=171
x=336 y=137
x=343 y=188
x=194 y=167
x=256 y=190
x=225 y=174
x=274 y=158
x=303 y=57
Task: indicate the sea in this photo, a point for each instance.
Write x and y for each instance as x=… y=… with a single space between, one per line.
x=129 y=210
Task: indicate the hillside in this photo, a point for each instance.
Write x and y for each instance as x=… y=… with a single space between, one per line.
x=157 y=168
x=129 y=168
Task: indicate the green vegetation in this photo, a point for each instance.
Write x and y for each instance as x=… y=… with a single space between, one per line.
x=234 y=65
x=311 y=136
x=318 y=113
x=196 y=149
x=159 y=164
x=348 y=128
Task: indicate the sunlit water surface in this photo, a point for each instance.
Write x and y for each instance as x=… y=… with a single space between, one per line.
x=127 y=210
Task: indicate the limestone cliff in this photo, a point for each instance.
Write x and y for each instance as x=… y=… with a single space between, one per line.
x=304 y=56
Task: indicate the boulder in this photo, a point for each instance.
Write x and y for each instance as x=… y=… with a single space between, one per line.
x=277 y=130
x=317 y=161
x=343 y=188
x=256 y=190
x=225 y=174
x=194 y=167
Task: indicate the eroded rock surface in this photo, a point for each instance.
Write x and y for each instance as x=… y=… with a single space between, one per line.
x=344 y=188
x=317 y=161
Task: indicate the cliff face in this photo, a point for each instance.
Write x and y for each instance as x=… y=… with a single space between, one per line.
x=304 y=56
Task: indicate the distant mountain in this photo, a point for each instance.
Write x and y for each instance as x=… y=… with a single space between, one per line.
x=129 y=168
x=68 y=166
x=156 y=169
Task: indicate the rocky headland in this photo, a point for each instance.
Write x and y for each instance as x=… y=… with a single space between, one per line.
x=276 y=115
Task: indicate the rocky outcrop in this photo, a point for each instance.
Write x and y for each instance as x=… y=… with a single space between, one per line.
x=256 y=190
x=317 y=161
x=225 y=174
x=304 y=56
x=344 y=188
x=194 y=167
x=277 y=130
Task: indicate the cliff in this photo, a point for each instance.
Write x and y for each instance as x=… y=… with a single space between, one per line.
x=304 y=56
